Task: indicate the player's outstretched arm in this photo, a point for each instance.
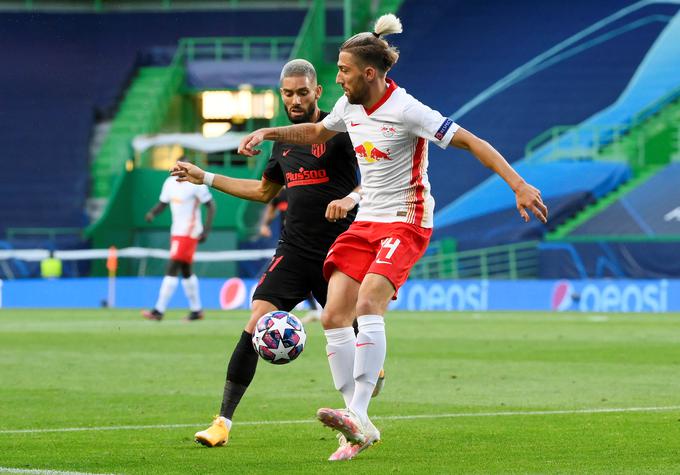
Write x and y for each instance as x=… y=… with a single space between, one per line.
x=253 y=190
x=308 y=133
x=527 y=197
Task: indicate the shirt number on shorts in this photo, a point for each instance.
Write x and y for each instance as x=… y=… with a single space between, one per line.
x=389 y=244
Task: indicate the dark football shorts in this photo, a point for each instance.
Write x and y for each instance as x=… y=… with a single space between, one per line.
x=290 y=278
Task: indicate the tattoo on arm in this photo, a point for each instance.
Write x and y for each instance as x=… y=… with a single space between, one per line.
x=298 y=134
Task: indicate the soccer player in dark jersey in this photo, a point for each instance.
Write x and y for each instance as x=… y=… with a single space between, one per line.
x=277 y=207
x=322 y=185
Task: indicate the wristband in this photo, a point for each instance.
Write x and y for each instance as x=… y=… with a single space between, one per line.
x=208 y=178
x=355 y=196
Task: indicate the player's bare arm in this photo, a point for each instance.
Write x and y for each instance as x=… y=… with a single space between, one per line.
x=338 y=209
x=268 y=216
x=527 y=196
x=253 y=190
x=302 y=134
x=210 y=216
x=155 y=211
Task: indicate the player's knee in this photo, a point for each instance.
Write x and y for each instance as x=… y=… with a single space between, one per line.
x=331 y=318
x=371 y=305
x=374 y=295
x=258 y=308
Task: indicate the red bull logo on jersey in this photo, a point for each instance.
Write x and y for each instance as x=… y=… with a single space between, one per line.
x=306 y=177
x=371 y=153
x=388 y=130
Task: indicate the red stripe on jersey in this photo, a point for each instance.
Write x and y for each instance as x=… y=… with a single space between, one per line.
x=192 y=223
x=391 y=87
x=417 y=180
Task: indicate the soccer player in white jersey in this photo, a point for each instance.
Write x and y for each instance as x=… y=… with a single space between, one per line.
x=187 y=231
x=367 y=264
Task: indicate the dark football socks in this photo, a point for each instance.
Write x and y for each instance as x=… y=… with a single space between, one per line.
x=240 y=373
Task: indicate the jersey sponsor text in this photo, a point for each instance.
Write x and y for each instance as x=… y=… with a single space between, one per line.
x=306 y=177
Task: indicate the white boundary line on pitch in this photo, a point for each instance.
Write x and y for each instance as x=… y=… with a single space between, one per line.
x=44 y=472
x=382 y=418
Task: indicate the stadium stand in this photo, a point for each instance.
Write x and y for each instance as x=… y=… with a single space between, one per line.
x=654 y=83
x=609 y=259
x=447 y=63
x=637 y=235
x=487 y=216
x=506 y=91
x=650 y=210
x=46 y=121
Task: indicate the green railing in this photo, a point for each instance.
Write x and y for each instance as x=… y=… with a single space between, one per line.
x=612 y=139
x=510 y=261
x=229 y=48
x=309 y=43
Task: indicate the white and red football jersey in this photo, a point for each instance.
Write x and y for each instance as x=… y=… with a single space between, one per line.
x=185 y=204
x=390 y=141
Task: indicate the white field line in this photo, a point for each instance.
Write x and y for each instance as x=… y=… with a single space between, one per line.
x=44 y=472
x=382 y=418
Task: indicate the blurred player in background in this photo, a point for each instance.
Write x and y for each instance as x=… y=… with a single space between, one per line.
x=187 y=231
x=322 y=184
x=278 y=206
x=366 y=265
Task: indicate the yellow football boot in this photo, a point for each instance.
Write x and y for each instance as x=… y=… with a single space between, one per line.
x=216 y=434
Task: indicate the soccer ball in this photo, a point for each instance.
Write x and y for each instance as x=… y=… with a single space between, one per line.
x=279 y=337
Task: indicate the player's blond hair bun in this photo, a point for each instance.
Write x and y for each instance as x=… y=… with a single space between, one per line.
x=371 y=48
x=387 y=25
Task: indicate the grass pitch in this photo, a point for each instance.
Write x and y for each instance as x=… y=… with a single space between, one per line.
x=104 y=391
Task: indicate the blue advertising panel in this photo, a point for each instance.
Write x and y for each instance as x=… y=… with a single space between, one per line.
x=596 y=295
x=544 y=295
